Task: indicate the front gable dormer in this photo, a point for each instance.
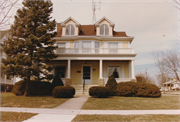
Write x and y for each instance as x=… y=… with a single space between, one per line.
x=70 y=27
x=104 y=27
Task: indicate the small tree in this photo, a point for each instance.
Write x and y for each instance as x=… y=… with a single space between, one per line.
x=30 y=44
x=111 y=83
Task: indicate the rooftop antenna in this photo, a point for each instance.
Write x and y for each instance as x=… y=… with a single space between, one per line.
x=95 y=6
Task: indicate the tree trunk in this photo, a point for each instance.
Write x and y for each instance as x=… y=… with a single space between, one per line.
x=26 y=93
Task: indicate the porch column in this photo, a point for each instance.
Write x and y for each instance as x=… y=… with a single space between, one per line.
x=101 y=79
x=132 y=71
x=100 y=69
x=68 y=78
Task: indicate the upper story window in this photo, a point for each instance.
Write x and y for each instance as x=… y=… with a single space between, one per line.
x=70 y=30
x=61 y=45
x=104 y=30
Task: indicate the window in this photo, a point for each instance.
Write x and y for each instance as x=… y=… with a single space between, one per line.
x=113 y=47
x=97 y=45
x=60 y=70
x=113 y=70
x=61 y=47
x=70 y=30
x=86 y=47
x=104 y=30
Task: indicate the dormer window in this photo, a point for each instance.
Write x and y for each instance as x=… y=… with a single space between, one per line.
x=70 y=30
x=104 y=30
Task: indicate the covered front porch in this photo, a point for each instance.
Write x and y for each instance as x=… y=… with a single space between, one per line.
x=93 y=72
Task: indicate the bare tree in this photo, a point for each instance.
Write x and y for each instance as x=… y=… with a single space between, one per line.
x=168 y=63
x=5 y=12
x=144 y=78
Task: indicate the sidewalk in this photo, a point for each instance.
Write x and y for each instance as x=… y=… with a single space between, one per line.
x=67 y=111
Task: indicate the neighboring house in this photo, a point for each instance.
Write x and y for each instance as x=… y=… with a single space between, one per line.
x=172 y=84
x=92 y=53
x=6 y=79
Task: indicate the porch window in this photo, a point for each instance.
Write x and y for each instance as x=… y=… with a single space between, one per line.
x=60 y=70
x=114 y=70
x=113 y=47
x=70 y=30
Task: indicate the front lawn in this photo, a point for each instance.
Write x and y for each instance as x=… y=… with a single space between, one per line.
x=133 y=103
x=15 y=116
x=11 y=100
x=129 y=118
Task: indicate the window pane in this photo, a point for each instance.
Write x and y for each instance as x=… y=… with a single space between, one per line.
x=106 y=30
x=86 y=45
x=60 y=70
x=68 y=30
x=96 y=44
x=72 y=30
x=102 y=30
x=113 y=45
x=61 y=45
x=114 y=70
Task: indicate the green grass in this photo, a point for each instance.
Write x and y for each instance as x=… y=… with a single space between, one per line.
x=133 y=103
x=15 y=116
x=11 y=100
x=129 y=118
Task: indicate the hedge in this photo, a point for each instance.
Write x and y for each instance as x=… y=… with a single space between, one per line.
x=136 y=89
x=99 y=91
x=63 y=92
x=6 y=87
x=35 y=88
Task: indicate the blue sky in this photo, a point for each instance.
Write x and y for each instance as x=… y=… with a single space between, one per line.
x=153 y=23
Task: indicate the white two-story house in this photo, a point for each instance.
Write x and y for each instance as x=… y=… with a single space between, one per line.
x=92 y=53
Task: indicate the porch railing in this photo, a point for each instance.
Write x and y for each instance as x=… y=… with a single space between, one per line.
x=94 y=50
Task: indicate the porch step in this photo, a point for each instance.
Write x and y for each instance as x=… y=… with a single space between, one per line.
x=79 y=89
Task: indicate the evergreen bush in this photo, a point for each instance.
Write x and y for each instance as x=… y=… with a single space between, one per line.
x=19 y=88
x=99 y=91
x=63 y=92
x=111 y=84
x=57 y=81
x=136 y=89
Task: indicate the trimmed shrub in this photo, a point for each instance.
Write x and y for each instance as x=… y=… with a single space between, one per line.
x=19 y=88
x=6 y=87
x=63 y=92
x=111 y=84
x=135 y=89
x=99 y=91
x=35 y=88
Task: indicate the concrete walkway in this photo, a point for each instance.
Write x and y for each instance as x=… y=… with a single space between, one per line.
x=67 y=111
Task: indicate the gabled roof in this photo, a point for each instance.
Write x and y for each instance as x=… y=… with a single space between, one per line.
x=70 y=18
x=104 y=18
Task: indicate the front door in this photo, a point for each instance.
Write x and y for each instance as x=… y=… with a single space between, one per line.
x=86 y=75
